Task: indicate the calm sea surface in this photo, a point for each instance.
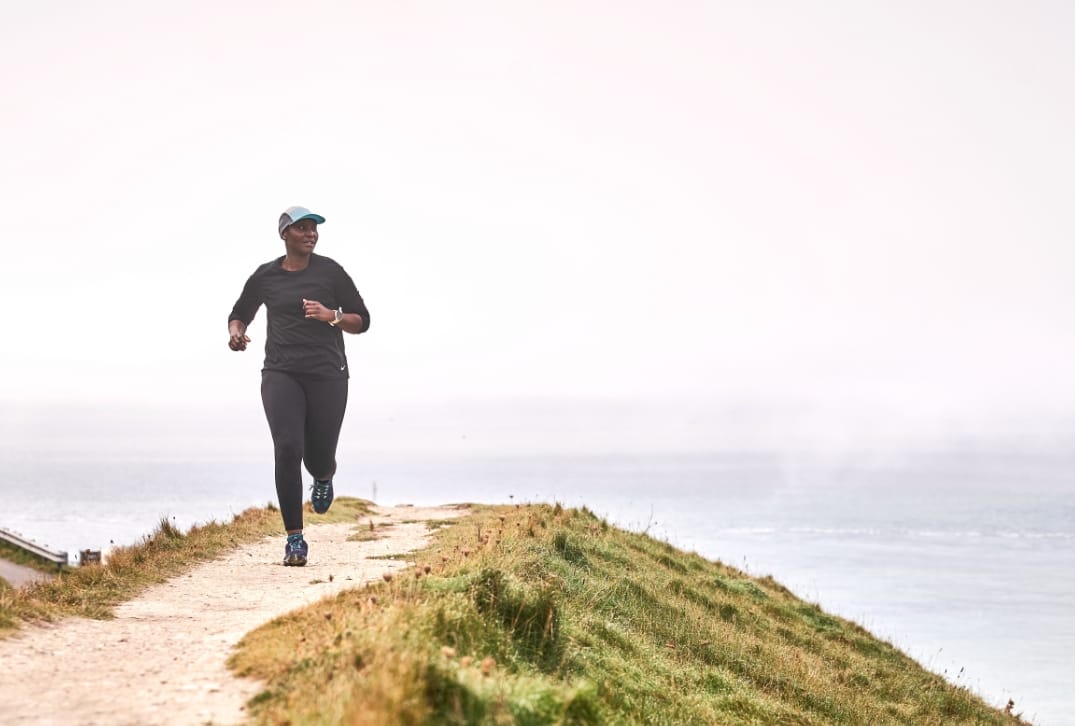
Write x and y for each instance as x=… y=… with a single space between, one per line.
x=965 y=560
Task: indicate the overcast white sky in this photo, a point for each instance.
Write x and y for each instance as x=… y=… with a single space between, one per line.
x=849 y=211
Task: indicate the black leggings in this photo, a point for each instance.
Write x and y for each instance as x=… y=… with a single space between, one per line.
x=305 y=416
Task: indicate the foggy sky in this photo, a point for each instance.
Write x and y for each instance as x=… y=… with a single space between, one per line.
x=842 y=216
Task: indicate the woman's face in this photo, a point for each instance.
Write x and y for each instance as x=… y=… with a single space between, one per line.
x=300 y=238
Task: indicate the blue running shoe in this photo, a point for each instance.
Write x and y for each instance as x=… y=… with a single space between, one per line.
x=321 y=496
x=295 y=551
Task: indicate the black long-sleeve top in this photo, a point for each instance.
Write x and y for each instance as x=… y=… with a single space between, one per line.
x=294 y=343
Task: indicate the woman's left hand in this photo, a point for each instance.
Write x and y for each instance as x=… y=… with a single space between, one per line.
x=317 y=311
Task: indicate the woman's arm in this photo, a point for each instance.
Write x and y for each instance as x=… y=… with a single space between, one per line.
x=356 y=318
x=243 y=312
x=352 y=323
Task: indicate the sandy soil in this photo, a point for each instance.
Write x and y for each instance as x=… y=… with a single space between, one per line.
x=162 y=659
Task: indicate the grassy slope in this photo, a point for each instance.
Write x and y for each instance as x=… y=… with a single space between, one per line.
x=537 y=615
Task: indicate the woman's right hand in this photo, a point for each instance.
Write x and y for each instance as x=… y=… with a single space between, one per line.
x=238 y=342
x=238 y=337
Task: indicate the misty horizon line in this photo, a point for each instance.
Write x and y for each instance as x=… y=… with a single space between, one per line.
x=560 y=426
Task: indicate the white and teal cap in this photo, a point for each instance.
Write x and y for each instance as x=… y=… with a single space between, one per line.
x=295 y=214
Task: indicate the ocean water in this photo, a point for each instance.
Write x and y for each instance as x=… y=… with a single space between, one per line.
x=964 y=559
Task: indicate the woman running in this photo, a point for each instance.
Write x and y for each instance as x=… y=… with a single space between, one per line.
x=309 y=300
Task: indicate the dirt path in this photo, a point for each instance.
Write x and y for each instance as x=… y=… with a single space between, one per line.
x=162 y=659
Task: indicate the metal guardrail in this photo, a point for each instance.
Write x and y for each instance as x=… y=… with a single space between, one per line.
x=60 y=558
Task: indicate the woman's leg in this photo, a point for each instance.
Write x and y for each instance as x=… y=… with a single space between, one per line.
x=285 y=408
x=326 y=402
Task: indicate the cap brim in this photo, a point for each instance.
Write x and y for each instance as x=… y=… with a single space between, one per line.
x=315 y=217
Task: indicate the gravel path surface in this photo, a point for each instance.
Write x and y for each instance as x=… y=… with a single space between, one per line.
x=162 y=659
x=19 y=575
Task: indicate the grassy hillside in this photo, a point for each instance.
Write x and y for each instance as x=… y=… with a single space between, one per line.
x=541 y=615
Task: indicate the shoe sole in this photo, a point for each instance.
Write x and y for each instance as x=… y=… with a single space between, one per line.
x=295 y=562
x=332 y=498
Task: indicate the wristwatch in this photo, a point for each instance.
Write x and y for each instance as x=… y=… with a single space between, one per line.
x=339 y=317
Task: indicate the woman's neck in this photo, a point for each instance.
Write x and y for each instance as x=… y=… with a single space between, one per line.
x=294 y=263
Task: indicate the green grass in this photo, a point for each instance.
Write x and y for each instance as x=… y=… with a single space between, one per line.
x=94 y=590
x=542 y=615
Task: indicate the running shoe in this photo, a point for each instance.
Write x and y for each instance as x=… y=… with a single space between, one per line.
x=295 y=551
x=321 y=496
